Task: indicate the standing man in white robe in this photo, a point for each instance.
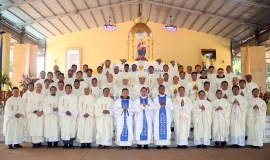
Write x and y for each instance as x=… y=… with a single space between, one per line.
x=193 y=87
x=74 y=69
x=137 y=88
x=202 y=120
x=70 y=78
x=42 y=75
x=162 y=119
x=77 y=91
x=125 y=84
x=211 y=75
x=183 y=81
x=225 y=91
x=46 y=87
x=239 y=107
x=151 y=79
x=221 y=120
x=95 y=90
x=117 y=76
x=53 y=82
x=174 y=87
x=88 y=78
x=229 y=75
x=166 y=80
x=60 y=91
x=133 y=76
x=50 y=110
x=68 y=111
x=107 y=70
x=85 y=67
x=123 y=113
x=244 y=91
x=182 y=118
x=79 y=77
x=101 y=78
x=13 y=128
x=209 y=95
x=251 y=85
x=203 y=78
x=188 y=74
x=86 y=132
x=154 y=92
x=235 y=82
x=216 y=82
x=104 y=119
x=144 y=114
x=35 y=118
x=256 y=117
x=166 y=70
x=113 y=87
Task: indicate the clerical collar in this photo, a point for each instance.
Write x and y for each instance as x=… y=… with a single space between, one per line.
x=203 y=78
x=143 y=97
x=221 y=77
x=77 y=88
x=162 y=95
x=51 y=81
x=52 y=94
x=201 y=100
x=80 y=80
x=125 y=98
x=70 y=76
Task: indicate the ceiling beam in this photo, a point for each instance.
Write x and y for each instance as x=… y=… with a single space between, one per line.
x=204 y=13
x=254 y=3
x=75 y=12
x=15 y=4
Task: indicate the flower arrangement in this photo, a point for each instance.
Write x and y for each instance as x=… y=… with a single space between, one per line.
x=178 y=64
x=173 y=63
x=159 y=61
x=5 y=80
x=141 y=58
x=123 y=61
x=24 y=82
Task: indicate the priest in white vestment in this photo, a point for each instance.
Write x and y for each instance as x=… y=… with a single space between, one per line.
x=216 y=82
x=229 y=74
x=35 y=117
x=113 y=87
x=202 y=121
x=85 y=67
x=46 y=87
x=211 y=73
x=221 y=120
x=86 y=127
x=117 y=76
x=125 y=84
x=244 y=91
x=154 y=92
x=95 y=90
x=239 y=107
x=174 y=87
x=151 y=79
x=74 y=69
x=53 y=82
x=162 y=119
x=50 y=110
x=209 y=95
x=107 y=69
x=123 y=112
x=89 y=76
x=167 y=81
x=182 y=118
x=133 y=75
x=256 y=117
x=68 y=111
x=60 y=89
x=226 y=92
x=144 y=114
x=193 y=87
x=70 y=78
x=101 y=78
x=13 y=127
x=104 y=119
x=188 y=74
x=42 y=75
x=79 y=77
x=167 y=71
x=235 y=82
x=183 y=81
x=77 y=90
x=136 y=91
x=203 y=78
x=251 y=85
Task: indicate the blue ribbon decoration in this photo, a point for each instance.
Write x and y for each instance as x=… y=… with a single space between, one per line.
x=144 y=133
x=124 y=134
x=162 y=120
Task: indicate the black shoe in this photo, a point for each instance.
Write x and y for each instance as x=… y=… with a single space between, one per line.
x=18 y=146
x=146 y=147
x=55 y=144
x=88 y=145
x=70 y=146
x=191 y=129
x=49 y=144
x=233 y=146
x=172 y=129
x=39 y=145
x=165 y=147
x=10 y=147
x=65 y=146
x=139 y=147
x=158 y=147
x=82 y=146
x=34 y=146
x=223 y=144
x=246 y=137
x=199 y=146
x=179 y=146
x=204 y=146
x=185 y=146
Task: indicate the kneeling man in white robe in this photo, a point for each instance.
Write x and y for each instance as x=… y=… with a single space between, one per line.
x=86 y=131
x=14 y=120
x=50 y=109
x=256 y=116
x=182 y=118
x=202 y=120
x=68 y=111
x=144 y=113
x=104 y=119
x=239 y=107
x=123 y=113
x=163 y=119
x=221 y=120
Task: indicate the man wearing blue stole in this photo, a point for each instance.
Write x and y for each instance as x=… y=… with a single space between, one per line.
x=144 y=110
x=162 y=119
x=123 y=116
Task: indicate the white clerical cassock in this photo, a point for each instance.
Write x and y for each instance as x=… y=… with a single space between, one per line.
x=13 y=128
x=190 y=92
x=154 y=92
x=238 y=120
x=77 y=92
x=151 y=80
x=182 y=119
x=251 y=86
x=117 y=79
x=124 y=121
x=256 y=122
x=86 y=132
x=51 y=128
x=35 y=124
x=163 y=120
x=101 y=79
x=143 y=121
x=45 y=91
x=96 y=92
x=60 y=93
x=104 y=122
x=68 y=102
x=133 y=78
x=202 y=121
x=216 y=83
x=113 y=89
x=246 y=92
x=136 y=91
x=121 y=87
x=221 y=120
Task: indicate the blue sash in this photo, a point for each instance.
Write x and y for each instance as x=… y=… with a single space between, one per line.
x=144 y=134
x=162 y=120
x=124 y=134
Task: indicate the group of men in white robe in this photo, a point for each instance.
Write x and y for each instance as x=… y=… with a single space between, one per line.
x=140 y=107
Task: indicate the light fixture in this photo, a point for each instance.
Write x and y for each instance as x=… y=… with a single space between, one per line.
x=170 y=27
x=109 y=27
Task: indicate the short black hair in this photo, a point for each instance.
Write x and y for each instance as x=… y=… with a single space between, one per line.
x=60 y=82
x=165 y=65
x=206 y=83
x=105 y=89
x=193 y=73
x=180 y=66
x=61 y=74
x=76 y=81
x=89 y=69
x=94 y=79
x=161 y=86
x=99 y=67
x=74 y=65
x=235 y=86
x=181 y=87
x=218 y=91
x=85 y=65
x=201 y=91
x=253 y=90
x=198 y=65
x=46 y=80
x=126 y=65
x=14 y=88
x=151 y=67
x=203 y=70
x=242 y=80
x=57 y=71
x=124 y=89
x=53 y=87
x=182 y=72
x=224 y=82
x=221 y=69
x=144 y=88
x=68 y=85
x=211 y=67
x=49 y=73
x=165 y=74
x=30 y=83
x=79 y=72
x=42 y=72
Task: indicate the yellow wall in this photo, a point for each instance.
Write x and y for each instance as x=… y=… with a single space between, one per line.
x=97 y=45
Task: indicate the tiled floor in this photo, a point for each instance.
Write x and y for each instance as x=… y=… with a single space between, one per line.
x=28 y=153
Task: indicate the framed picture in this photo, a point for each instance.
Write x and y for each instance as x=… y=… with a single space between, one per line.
x=208 y=58
x=73 y=56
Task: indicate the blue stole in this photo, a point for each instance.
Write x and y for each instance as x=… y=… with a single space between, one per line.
x=162 y=120
x=144 y=134
x=124 y=134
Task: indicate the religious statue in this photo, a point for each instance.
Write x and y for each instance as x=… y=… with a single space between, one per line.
x=141 y=49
